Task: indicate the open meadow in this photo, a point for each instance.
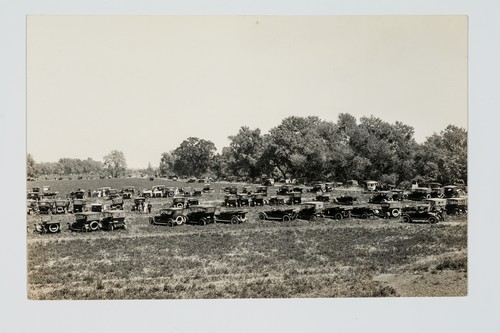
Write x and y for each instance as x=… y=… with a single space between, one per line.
x=257 y=259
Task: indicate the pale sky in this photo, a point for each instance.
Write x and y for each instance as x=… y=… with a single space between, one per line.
x=143 y=84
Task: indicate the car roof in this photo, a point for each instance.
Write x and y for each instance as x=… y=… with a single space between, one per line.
x=202 y=206
x=88 y=213
x=114 y=211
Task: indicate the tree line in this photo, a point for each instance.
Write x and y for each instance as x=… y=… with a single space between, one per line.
x=304 y=149
x=114 y=164
x=308 y=148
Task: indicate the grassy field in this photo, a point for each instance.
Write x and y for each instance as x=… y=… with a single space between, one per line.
x=258 y=259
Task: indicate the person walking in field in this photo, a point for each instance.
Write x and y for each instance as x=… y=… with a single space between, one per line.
x=149 y=207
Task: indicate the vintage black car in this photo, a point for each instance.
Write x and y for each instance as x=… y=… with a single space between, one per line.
x=207 y=189
x=45 y=206
x=61 y=206
x=47 y=226
x=169 y=216
x=420 y=213
x=311 y=210
x=398 y=195
x=97 y=207
x=231 y=200
x=390 y=209
x=230 y=190
x=294 y=198
x=201 y=215
x=247 y=190
x=197 y=192
x=158 y=191
x=31 y=206
x=268 y=182
x=285 y=190
x=420 y=193
x=329 y=187
x=183 y=202
x=128 y=189
x=243 y=199
x=317 y=187
x=113 y=219
x=33 y=196
x=456 y=206
x=117 y=203
x=345 y=200
x=185 y=191
x=127 y=195
x=452 y=191
x=79 y=205
x=337 y=213
x=275 y=201
x=46 y=192
x=86 y=221
x=364 y=212
x=138 y=202
x=78 y=194
x=231 y=216
x=380 y=197
x=257 y=199
x=279 y=214
x=436 y=204
x=323 y=197
x=262 y=190
x=169 y=192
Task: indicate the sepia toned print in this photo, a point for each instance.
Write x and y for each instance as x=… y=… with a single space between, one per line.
x=246 y=156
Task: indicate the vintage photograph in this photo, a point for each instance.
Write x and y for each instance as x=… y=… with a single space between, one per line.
x=222 y=157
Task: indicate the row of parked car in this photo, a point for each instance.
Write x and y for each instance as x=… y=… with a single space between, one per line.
x=86 y=221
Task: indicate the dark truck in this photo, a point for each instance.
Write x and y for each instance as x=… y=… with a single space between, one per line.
x=201 y=215
x=279 y=214
x=169 y=216
x=311 y=210
x=86 y=221
x=113 y=219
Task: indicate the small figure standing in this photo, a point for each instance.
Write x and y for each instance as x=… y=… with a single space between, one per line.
x=149 y=207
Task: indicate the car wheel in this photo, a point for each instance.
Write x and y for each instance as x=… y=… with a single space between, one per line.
x=313 y=218
x=406 y=219
x=432 y=220
x=262 y=216
x=203 y=221
x=395 y=212
x=151 y=220
x=286 y=218
x=180 y=205
x=54 y=228
x=94 y=225
x=170 y=222
x=120 y=207
x=59 y=210
x=179 y=220
x=364 y=216
x=428 y=196
x=235 y=220
x=339 y=216
x=111 y=227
